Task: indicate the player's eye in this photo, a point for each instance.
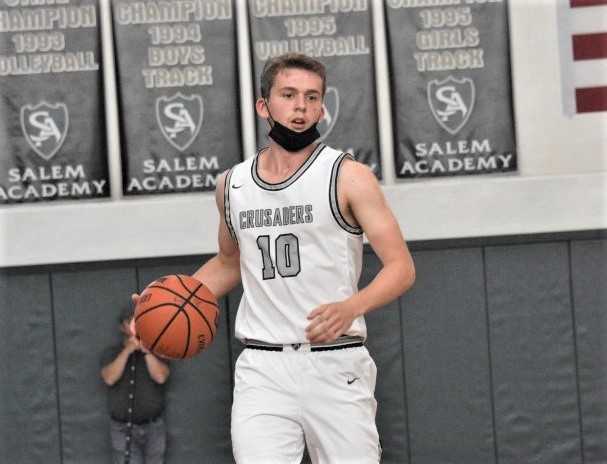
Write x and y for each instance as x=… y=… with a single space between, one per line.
x=287 y=94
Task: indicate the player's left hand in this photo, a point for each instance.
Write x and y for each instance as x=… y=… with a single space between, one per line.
x=329 y=321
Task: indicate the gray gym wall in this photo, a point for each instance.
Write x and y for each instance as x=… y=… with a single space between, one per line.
x=496 y=356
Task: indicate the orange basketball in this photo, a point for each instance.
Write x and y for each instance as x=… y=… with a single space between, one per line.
x=176 y=316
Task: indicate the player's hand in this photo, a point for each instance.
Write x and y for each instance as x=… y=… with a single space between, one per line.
x=330 y=321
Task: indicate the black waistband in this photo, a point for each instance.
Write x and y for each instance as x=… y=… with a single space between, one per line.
x=296 y=347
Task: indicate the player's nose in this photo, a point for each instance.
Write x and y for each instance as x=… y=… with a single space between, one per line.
x=300 y=102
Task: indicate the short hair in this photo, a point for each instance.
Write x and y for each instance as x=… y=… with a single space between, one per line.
x=289 y=61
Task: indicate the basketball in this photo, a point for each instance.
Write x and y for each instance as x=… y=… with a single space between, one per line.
x=176 y=317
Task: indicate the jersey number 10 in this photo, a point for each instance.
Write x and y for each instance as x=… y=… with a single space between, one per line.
x=286 y=255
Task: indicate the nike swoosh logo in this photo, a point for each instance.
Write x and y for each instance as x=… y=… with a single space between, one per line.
x=234 y=186
x=350 y=382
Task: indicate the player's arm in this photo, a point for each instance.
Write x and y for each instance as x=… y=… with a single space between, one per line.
x=222 y=272
x=367 y=204
x=364 y=202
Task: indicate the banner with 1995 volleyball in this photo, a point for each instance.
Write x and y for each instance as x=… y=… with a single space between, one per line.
x=450 y=77
x=338 y=33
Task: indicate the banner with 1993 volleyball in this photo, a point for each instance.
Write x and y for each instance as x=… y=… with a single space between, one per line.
x=52 y=131
x=450 y=76
x=178 y=93
x=338 y=33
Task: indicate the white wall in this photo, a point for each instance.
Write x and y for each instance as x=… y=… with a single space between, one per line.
x=561 y=184
x=549 y=141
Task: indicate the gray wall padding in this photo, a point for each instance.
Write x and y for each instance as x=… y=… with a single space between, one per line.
x=533 y=356
x=385 y=345
x=29 y=414
x=444 y=324
x=589 y=259
x=87 y=303
x=496 y=356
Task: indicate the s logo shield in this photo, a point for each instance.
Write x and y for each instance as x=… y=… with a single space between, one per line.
x=179 y=118
x=331 y=107
x=451 y=101
x=44 y=127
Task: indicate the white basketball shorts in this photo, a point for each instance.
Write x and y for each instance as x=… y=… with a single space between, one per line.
x=323 y=397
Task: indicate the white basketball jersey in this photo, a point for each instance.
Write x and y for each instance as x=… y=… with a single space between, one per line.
x=296 y=249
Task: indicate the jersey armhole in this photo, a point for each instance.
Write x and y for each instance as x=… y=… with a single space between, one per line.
x=226 y=205
x=333 y=197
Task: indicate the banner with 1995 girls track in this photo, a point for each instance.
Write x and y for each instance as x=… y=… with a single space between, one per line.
x=52 y=131
x=451 y=90
x=338 y=33
x=178 y=93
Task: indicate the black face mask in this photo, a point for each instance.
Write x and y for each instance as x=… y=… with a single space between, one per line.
x=289 y=139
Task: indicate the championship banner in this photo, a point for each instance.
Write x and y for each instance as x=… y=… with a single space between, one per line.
x=178 y=93
x=52 y=131
x=451 y=91
x=338 y=33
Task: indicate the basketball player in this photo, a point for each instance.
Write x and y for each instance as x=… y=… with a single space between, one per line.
x=291 y=229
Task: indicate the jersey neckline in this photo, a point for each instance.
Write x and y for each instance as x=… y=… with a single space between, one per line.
x=289 y=180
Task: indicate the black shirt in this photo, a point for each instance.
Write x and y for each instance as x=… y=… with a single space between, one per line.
x=135 y=397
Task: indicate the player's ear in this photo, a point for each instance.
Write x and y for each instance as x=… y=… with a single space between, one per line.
x=262 y=108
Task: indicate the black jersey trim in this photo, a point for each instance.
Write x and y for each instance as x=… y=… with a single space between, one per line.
x=226 y=205
x=292 y=178
x=333 y=199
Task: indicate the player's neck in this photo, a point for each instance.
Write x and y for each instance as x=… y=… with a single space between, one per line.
x=279 y=164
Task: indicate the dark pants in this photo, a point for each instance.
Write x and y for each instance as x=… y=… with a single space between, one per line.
x=147 y=442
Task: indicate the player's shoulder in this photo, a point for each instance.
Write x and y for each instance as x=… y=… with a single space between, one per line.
x=237 y=172
x=350 y=168
x=220 y=188
x=356 y=182
x=240 y=169
x=240 y=165
x=221 y=181
x=228 y=173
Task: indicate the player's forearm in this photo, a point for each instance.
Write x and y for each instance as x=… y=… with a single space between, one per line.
x=157 y=369
x=114 y=370
x=220 y=274
x=394 y=279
